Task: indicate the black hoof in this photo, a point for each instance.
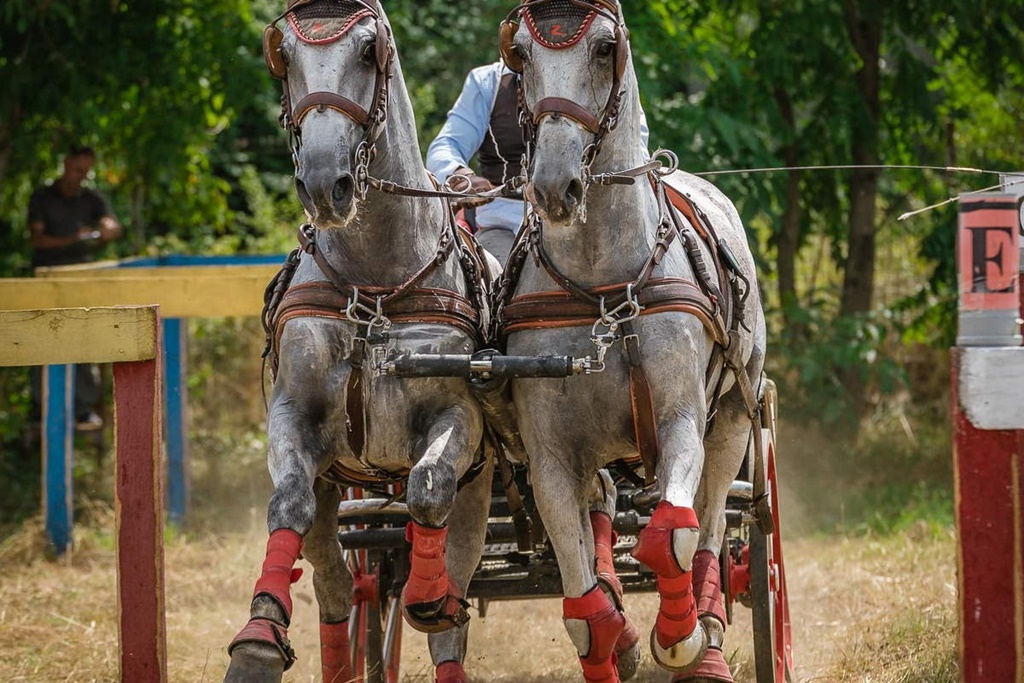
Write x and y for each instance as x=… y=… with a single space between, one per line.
x=437 y=616
x=628 y=662
x=255 y=663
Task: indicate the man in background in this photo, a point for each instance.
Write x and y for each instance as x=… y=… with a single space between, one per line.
x=69 y=223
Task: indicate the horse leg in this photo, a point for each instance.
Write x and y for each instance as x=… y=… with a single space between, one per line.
x=467 y=526
x=725 y=448
x=591 y=618
x=261 y=651
x=602 y=512
x=429 y=601
x=668 y=543
x=332 y=582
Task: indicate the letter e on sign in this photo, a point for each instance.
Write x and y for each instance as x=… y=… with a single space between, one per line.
x=988 y=252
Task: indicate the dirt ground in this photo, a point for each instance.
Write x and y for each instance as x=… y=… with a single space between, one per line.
x=877 y=610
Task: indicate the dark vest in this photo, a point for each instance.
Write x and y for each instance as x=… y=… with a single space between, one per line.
x=501 y=153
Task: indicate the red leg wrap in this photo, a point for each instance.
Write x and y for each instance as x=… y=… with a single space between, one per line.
x=450 y=672
x=428 y=577
x=278 y=576
x=335 y=653
x=428 y=602
x=677 y=615
x=604 y=543
x=263 y=630
x=707 y=584
x=712 y=668
x=606 y=623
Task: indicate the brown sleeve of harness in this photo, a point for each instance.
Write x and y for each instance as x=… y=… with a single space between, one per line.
x=641 y=398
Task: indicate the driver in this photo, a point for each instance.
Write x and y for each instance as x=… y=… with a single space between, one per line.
x=485 y=122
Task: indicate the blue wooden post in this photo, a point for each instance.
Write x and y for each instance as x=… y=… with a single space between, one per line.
x=58 y=453
x=176 y=401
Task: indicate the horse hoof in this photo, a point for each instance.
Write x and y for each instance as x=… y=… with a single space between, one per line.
x=254 y=663
x=628 y=662
x=685 y=655
x=438 y=615
x=713 y=669
x=628 y=651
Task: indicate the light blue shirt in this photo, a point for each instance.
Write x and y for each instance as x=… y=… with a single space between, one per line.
x=463 y=133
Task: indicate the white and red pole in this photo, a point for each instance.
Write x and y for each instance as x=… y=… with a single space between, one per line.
x=988 y=437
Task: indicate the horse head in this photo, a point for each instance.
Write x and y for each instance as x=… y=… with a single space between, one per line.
x=573 y=57
x=335 y=58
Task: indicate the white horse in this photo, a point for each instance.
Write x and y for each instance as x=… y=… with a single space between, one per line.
x=377 y=272
x=676 y=320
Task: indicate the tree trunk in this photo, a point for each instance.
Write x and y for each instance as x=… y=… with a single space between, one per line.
x=859 y=274
x=788 y=241
x=7 y=132
x=865 y=29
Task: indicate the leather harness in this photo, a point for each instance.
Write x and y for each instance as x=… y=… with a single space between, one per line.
x=573 y=306
x=408 y=303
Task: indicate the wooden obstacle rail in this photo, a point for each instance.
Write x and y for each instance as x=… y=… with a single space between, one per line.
x=988 y=440
x=183 y=287
x=128 y=337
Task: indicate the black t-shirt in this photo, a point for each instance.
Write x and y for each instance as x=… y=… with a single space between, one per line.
x=63 y=216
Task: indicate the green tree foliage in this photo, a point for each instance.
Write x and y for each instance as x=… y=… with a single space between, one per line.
x=755 y=83
x=152 y=85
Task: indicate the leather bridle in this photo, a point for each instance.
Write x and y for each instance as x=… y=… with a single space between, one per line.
x=600 y=124
x=372 y=118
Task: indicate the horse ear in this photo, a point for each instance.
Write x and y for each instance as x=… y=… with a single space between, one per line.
x=383 y=46
x=506 y=44
x=621 y=51
x=272 y=38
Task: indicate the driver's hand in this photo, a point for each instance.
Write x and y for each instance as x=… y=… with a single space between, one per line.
x=475 y=182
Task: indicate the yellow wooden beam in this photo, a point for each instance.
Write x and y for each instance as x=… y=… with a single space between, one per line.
x=263 y=271
x=205 y=295
x=78 y=335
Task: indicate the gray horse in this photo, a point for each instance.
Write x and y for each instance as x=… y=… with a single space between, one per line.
x=377 y=272
x=681 y=340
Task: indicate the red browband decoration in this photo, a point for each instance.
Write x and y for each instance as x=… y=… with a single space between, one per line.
x=320 y=23
x=556 y=34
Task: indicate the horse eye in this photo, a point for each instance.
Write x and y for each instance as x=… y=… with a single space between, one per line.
x=369 y=52
x=606 y=48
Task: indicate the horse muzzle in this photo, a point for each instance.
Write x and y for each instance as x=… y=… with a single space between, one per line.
x=556 y=184
x=327 y=195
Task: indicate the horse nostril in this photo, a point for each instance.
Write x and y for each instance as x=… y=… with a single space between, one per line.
x=304 y=196
x=540 y=198
x=343 y=189
x=574 y=193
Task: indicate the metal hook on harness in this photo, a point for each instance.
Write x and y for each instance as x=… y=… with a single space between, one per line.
x=612 y=319
x=669 y=156
x=377 y=317
x=362 y=169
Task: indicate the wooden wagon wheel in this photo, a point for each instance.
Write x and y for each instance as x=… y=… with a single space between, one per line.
x=378 y=644
x=773 y=644
x=375 y=622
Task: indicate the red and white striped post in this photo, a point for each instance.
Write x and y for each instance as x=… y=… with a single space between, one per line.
x=988 y=440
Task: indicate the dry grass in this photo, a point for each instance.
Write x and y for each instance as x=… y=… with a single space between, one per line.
x=863 y=609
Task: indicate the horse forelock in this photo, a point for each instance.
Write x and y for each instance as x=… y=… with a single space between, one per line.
x=325 y=21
